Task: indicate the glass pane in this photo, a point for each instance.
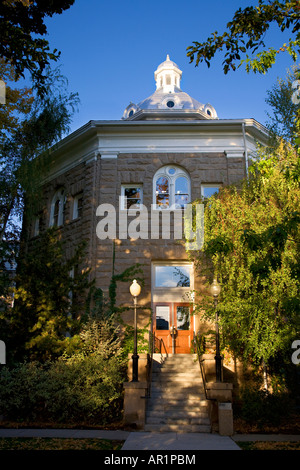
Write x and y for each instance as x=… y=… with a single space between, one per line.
x=133 y=203
x=162 y=200
x=162 y=192
x=172 y=276
x=183 y=318
x=181 y=200
x=162 y=185
x=56 y=212
x=133 y=192
x=181 y=185
x=162 y=318
x=208 y=191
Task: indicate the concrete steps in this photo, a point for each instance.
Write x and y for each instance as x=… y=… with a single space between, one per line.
x=177 y=400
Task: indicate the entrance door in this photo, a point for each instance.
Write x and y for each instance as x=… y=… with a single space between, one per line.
x=173 y=325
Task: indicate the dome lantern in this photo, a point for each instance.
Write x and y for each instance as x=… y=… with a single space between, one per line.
x=168 y=76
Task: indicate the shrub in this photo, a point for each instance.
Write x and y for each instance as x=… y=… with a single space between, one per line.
x=262 y=407
x=85 y=387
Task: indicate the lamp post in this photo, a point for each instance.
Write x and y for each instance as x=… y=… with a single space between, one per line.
x=135 y=290
x=215 y=290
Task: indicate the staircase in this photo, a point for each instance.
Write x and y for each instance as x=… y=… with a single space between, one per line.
x=177 y=400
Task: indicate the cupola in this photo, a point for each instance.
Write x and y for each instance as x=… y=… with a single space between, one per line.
x=169 y=102
x=168 y=76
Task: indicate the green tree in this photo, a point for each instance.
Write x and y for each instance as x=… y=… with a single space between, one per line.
x=244 y=40
x=23 y=31
x=252 y=244
x=47 y=121
x=49 y=298
x=282 y=120
x=18 y=102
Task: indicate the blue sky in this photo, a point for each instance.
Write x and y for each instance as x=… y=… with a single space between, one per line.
x=110 y=50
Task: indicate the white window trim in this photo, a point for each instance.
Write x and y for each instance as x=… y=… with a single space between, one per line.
x=163 y=172
x=58 y=196
x=126 y=186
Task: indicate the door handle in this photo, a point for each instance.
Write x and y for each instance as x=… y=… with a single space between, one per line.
x=173 y=331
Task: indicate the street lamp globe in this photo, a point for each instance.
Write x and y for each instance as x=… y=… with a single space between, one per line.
x=135 y=288
x=215 y=288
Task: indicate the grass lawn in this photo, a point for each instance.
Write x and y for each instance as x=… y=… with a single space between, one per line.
x=37 y=443
x=260 y=445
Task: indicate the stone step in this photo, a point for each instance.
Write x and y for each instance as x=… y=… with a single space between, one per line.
x=179 y=387
x=177 y=400
x=190 y=381
x=184 y=421
x=182 y=370
x=197 y=406
x=174 y=413
x=177 y=428
x=177 y=365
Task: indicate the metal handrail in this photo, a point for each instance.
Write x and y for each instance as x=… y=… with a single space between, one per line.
x=153 y=340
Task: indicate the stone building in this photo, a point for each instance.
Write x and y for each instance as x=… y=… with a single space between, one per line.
x=165 y=152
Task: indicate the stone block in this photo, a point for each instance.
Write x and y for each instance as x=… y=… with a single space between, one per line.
x=225 y=418
x=135 y=404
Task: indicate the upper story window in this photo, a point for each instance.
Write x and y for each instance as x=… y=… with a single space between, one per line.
x=57 y=209
x=208 y=190
x=131 y=196
x=77 y=206
x=171 y=188
x=37 y=222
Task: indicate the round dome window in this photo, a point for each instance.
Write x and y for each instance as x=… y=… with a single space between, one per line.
x=170 y=104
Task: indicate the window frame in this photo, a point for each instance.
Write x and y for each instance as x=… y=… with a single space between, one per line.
x=37 y=222
x=125 y=186
x=170 y=264
x=75 y=213
x=60 y=198
x=164 y=171
x=209 y=185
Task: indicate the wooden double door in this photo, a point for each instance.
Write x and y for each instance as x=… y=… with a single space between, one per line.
x=172 y=324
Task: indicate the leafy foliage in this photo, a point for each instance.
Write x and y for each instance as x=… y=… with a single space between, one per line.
x=101 y=307
x=246 y=34
x=22 y=29
x=262 y=408
x=44 y=316
x=46 y=121
x=252 y=243
x=84 y=387
x=281 y=122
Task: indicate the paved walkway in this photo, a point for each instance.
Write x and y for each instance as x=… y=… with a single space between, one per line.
x=178 y=441
x=151 y=440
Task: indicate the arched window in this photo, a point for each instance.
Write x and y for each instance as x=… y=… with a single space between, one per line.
x=171 y=188
x=57 y=209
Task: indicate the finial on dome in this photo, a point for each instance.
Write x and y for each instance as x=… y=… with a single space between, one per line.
x=168 y=57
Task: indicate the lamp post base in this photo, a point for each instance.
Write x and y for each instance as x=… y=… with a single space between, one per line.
x=135 y=368
x=218 y=360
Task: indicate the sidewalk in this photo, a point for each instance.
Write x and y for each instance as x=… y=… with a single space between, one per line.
x=178 y=441
x=140 y=440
